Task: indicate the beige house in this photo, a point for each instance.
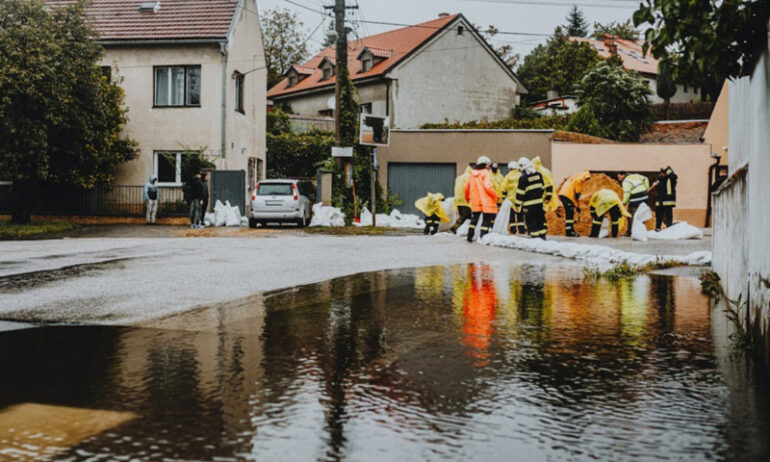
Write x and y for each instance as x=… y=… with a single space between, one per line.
x=430 y=72
x=194 y=78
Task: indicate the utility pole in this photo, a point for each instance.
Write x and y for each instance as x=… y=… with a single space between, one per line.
x=340 y=62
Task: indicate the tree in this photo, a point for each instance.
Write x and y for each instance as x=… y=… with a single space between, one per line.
x=621 y=30
x=284 y=42
x=576 y=26
x=60 y=118
x=665 y=85
x=505 y=51
x=558 y=65
x=617 y=99
x=707 y=40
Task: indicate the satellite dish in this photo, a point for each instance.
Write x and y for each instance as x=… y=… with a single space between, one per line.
x=330 y=103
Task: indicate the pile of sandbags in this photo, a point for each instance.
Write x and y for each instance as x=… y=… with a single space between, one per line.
x=396 y=219
x=225 y=215
x=583 y=222
x=327 y=216
x=678 y=231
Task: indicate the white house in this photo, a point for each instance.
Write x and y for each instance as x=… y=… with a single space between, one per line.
x=430 y=72
x=194 y=79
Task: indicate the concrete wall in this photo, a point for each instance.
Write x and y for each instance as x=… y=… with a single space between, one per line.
x=173 y=129
x=690 y=161
x=454 y=78
x=463 y=146
x=749 y=117
x=716 y=134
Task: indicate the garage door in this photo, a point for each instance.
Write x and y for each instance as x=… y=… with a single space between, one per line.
x=412 y=181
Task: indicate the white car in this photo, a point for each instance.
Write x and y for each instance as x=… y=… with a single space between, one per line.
x=281 y=201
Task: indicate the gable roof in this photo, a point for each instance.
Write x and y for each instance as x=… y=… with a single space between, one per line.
x=118 y=20
x=393 y=46
x=629 y=51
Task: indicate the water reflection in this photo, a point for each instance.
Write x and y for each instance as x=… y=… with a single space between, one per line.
x=461 y=362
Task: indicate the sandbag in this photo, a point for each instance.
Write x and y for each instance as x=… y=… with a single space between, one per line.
x=209 y=219
x=220 y=214
x=233 y=215
x=678 y=231
x=503 y=217
x=327 y=216
x=638 y=229
x=449 y=209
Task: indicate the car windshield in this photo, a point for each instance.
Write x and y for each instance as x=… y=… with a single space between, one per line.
x=275 y=189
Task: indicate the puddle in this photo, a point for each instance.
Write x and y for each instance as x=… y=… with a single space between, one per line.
x=467 y=362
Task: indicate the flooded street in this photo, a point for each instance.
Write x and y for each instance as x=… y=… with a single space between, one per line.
x=463 y=362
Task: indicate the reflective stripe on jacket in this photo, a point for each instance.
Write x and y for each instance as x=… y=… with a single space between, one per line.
x=666 y=189
x=551 y=202
x=635 y=188
x=531 y=190
x=480 y=192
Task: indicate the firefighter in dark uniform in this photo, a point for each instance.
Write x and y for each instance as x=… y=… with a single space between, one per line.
x=665 y=197
x=529 y=198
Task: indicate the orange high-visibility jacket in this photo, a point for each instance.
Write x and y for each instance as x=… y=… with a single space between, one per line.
x=481 y=192
x=574 y=186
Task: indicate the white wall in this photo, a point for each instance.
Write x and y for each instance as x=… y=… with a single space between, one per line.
x=453 y=78
x=743 y=203
x=314 y=103
x=681 y=96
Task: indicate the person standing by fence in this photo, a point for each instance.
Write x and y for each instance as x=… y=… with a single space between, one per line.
x=195 y=190
x=205 y=194
x=150 y=195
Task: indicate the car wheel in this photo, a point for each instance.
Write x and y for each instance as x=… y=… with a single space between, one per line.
x=252 y=222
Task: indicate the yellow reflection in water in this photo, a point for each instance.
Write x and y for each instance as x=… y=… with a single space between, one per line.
x=32 y=431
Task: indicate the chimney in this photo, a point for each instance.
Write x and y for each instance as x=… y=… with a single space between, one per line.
x=149 y=7
x=551 y=94
x=443 y=15
x=609 y=43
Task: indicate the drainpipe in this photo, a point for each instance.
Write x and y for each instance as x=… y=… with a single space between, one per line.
x=223 y=50
x=712 y=179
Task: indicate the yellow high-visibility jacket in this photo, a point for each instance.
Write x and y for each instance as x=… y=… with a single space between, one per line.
x=511 y=184
x=605 y=199
x=460 y=189
x=431 y=205
x=573 y=187
x=551 y=201
x=635 y=187
x=497 y=182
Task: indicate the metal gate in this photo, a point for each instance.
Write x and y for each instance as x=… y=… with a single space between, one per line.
x=411 y=181
x=229 y=185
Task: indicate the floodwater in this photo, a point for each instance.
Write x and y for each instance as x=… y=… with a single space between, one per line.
x=466 y=362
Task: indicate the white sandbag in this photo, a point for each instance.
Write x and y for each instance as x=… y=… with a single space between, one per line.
x=638 y=229
x=477 y=231
x=449 y=208
x=463 y=229
x=327 y=216
x=220 y=214
x=209 y=219
x=233 y=216
x=503 y=217
x=244 y=221
x=678 y=231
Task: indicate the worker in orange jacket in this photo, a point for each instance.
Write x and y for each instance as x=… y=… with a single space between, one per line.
x=480 y=191
x=569 y=194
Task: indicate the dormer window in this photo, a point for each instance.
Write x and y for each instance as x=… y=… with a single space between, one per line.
x=366 y=64
x=297 y=74
x=292 y=78
x=328 y=72
x=149 y=7
x=327 y=68
x=370 y=57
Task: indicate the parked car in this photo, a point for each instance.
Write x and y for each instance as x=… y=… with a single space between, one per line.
x=281 y=201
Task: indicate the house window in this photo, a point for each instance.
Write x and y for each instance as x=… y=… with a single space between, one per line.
x=292 y=80
x=178 y=86
x=239 y=79
x=168 y=167
x=328 y=72
x=106 y=72
x=460 y=30
x=365 y=108
x=366 y=65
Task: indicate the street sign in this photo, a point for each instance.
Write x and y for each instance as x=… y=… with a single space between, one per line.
x=374 y=130
x=342 y=152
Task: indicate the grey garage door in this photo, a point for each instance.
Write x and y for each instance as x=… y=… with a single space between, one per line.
x=412 y=181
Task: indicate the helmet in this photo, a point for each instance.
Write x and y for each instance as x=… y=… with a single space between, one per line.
x=483 y=160
x=524 y=163
x=513 y=165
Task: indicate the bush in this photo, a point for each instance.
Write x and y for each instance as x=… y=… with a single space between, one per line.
x=557 y=122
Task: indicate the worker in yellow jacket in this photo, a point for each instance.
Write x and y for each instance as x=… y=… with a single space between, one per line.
x=636 y=189
x=606 y=201
x=569 y=194
x=434 y=212
x=497 y=180
x=463 y=206
x=516 y=224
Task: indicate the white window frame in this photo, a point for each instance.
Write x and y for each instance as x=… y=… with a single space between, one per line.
x=186 y=85
x=178 y=176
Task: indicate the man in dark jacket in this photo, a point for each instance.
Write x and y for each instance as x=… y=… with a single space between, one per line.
x=205 y=194
x=196 y=202
x=529 y=199
x=665 y=197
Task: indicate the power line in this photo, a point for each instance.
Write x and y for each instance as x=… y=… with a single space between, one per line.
x=584 y=4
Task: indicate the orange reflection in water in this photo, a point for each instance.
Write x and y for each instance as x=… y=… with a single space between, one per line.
x=479 y=306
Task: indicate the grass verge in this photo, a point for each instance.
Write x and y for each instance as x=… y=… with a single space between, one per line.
x=349 y=231
x=34 y=230
x=624 y=270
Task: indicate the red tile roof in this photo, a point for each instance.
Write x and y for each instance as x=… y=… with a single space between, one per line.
x=174 y=20
x=629 y=51
x=392 y=46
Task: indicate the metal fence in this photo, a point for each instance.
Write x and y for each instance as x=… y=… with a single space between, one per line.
x=115 y=200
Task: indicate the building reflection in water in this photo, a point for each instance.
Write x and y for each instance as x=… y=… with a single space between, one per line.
x=446 y=362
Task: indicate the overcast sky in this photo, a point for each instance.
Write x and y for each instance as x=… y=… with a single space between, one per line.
x=520 y=16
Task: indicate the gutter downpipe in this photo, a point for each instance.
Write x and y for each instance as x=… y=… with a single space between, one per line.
x=223 y=50
x=712 y=180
